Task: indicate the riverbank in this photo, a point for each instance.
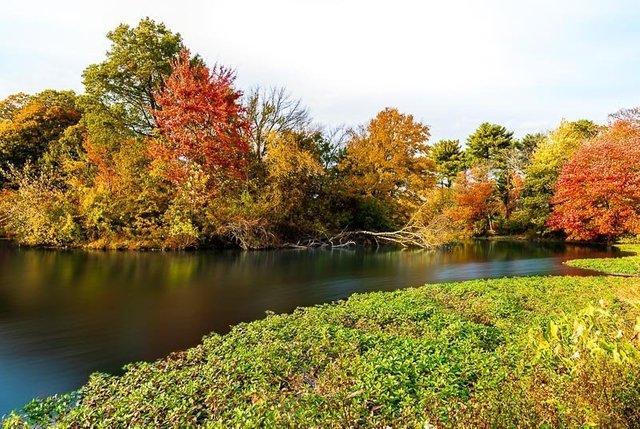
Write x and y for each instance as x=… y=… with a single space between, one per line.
x=628 y=265
x=507 y=352
x=157 y=246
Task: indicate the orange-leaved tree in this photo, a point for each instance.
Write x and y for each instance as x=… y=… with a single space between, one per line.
x=598 y=192
x=201 y=123
x=476 y=201
x=386 y=164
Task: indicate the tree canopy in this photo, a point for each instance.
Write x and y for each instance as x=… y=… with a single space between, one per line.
x=449 y=160
x=164 y=151
x=122 y=89
x=599 y=196
x=387 y=161
x=33 y=124
x=201 y=122
x=546 y=163
x=489 y=142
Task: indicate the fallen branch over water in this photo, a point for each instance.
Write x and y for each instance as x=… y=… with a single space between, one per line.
x=409 y=236
x=414 y=234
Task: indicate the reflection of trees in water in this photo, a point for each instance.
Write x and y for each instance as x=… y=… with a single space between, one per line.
x=36 y=274
x=136 y=296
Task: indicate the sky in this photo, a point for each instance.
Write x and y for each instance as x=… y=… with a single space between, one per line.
x=452 y=64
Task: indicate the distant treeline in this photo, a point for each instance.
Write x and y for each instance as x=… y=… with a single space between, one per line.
x=163 y=151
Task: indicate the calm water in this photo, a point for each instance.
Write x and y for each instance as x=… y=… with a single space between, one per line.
x=65 y=314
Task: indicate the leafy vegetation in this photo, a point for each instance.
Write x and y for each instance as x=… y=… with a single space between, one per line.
x=121 y=91
x=528 y=352
x=546 y=164
x=628 y=265
x=163 y=151
x=449 y=159
x=35 y=126
x=600 y=196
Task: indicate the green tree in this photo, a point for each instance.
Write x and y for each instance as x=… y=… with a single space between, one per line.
x=526 y=146
x=546 y=163
x=449 y=159
x=490 y=142
x=121 y=90
x=493 y=145
x=119 y=104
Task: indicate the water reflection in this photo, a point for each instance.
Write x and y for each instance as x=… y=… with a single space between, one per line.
x=65 y=314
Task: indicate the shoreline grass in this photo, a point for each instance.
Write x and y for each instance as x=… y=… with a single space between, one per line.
x=626 y=265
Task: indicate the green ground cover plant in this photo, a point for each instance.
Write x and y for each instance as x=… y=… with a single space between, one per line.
x=625 y=265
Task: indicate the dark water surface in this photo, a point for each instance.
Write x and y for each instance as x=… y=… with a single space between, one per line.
x=65 y=314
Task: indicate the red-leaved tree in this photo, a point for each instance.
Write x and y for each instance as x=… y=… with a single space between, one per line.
x=201 y=122
x=598 y=192
x=476 y=202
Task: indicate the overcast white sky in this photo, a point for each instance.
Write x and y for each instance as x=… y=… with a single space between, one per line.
x=452 y=64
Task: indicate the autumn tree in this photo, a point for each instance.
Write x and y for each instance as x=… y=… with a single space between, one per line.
x=201 y=123
x=493 y=146
x=476 y=203
x=294 y=168
x=270 y=111
x=12 y=105
x=121 y=201
x=121 y=91
x=598 y=191
x=386 y=164
x=39 y=212
x=543 y=171
x=449 y=159
x=36 y=124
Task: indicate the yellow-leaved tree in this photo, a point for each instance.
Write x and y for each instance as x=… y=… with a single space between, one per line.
x=386 y=171
x=293 y=168
x=543 y=171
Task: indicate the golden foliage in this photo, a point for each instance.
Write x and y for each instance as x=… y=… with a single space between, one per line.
x=291 y=169
x=387 y=161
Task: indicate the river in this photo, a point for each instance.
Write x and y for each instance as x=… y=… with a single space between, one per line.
x=66 y=314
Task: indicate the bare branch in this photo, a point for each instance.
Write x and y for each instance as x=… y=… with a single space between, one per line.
x=273 y=110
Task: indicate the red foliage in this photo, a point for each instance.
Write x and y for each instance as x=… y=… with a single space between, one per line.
x=201 y=120
x=475 y=200
x=100 y=156
x=598 y=192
